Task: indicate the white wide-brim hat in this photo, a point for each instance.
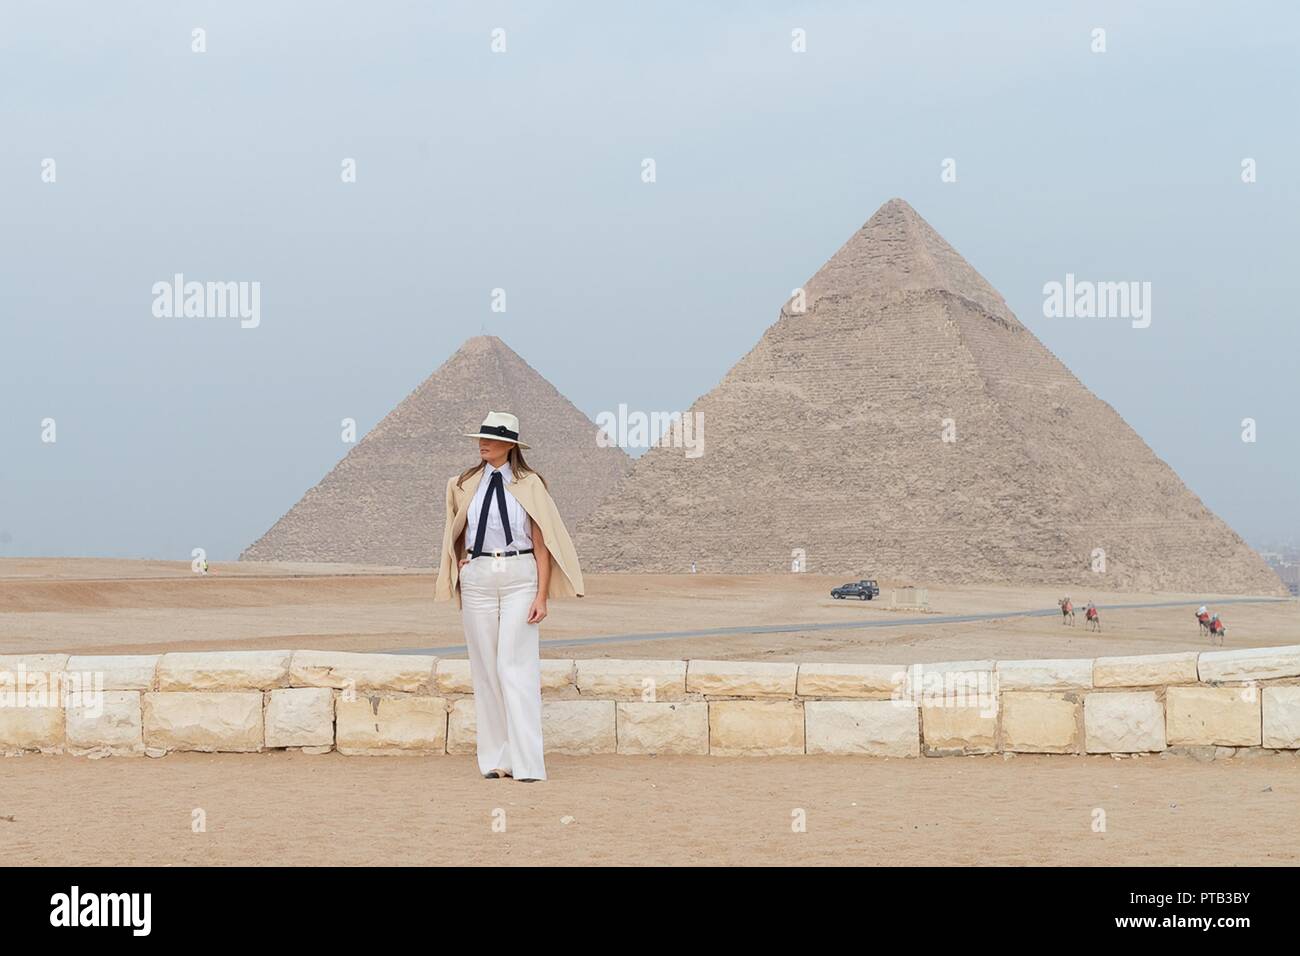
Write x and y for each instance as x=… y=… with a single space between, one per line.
x=499 y=425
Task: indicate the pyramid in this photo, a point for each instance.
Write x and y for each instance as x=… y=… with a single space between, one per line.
x=384 y=503
x=827 y=440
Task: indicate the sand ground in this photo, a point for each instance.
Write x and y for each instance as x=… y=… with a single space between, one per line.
x=108 y=606
x=327 y=809
x=293 y=808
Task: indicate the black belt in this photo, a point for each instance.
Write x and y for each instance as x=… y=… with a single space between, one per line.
x=502 y=554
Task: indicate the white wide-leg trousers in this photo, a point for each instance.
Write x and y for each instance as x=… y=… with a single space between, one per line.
x=504 y=662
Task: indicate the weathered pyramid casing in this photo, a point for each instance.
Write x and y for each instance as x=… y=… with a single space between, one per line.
x=828 y=440
x=384 y=503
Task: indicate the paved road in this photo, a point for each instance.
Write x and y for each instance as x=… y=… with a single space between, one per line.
x=835 y=625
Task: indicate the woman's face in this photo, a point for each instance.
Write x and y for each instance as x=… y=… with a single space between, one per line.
x=493 y=450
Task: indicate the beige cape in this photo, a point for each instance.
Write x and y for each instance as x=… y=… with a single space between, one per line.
x=528 y=490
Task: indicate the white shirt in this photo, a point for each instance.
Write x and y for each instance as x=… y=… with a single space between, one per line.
x=494 y=536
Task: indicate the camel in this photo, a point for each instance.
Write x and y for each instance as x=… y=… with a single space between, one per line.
x=1217 y=630
x=1067 y=610
x=1203 y=621
x=1093 y=617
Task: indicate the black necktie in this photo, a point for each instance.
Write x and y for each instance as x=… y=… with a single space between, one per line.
x=496 y=486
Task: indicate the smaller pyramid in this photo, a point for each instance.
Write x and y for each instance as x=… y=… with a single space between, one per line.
x=384 y=503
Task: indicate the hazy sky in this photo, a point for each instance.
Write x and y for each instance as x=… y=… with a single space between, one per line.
x=522 y=170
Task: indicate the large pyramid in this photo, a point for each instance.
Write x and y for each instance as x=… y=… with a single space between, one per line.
x=827 y=439
x=384 y=502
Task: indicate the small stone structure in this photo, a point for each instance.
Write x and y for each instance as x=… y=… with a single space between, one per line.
x=910 y=598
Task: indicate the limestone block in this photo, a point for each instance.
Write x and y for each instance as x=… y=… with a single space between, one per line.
x=24 y=727
x=877 y=728
x=1226 y=716
x=403 y=673
x=223 y=670
x=462 y=727
x=742 y=678
x=1145 y=670
x=1045 y=675
x=300 y=717
x=1255 y=663
x=111 y=722
x=34 y=663
x=859 y=681
x=119 y=671
x=377 y=725
x=1123 y=722
x=960 y=730
x=1045 y=723
x=205 y=721
x=1281 y=710
x=557 y=678
x=755 y=727
x=579 y=727
x=952 y=683
x=33 y=681
x=664 y=727
x=631 y=680
x=452 y=677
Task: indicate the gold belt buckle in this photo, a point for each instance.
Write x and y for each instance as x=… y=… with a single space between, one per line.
x=496 y=552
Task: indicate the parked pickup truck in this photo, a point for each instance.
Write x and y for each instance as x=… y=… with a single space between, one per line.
x=862 y=590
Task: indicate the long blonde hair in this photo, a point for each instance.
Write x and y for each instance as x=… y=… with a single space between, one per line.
x=518 y=467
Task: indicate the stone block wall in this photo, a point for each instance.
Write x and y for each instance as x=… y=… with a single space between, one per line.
x=1215 y=702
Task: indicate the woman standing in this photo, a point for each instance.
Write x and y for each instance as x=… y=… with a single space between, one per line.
x=505 y=550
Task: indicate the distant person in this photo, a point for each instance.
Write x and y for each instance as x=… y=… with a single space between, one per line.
x=500 y=572
x=692 y=567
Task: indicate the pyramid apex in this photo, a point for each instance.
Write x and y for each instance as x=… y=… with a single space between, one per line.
x=898 y=210
x=897 y=204
x=485 y=345
x=481 y=342
x=897 y=250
